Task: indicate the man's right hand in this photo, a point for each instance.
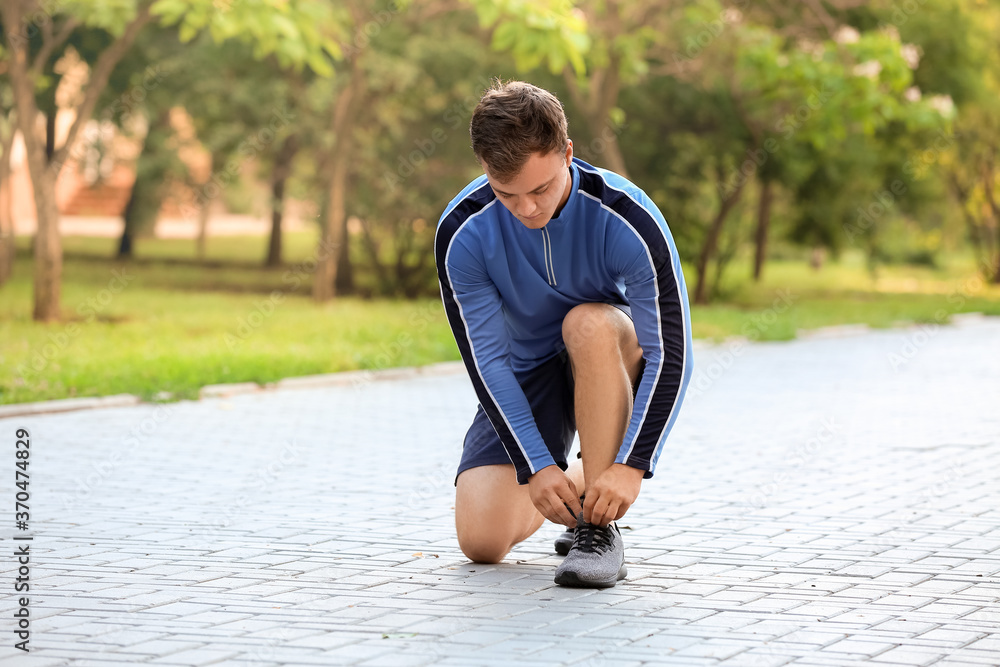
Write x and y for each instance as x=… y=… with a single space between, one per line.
x=551 y=490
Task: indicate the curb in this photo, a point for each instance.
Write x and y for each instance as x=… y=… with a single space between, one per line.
x=224 y=390
x=836 y=331
x=344 y=379
x=960 y=319
x=361 y=377
x=68 y=405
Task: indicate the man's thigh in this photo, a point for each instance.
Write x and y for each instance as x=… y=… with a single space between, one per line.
x=550 y=397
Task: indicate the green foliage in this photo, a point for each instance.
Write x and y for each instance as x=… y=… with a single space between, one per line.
x=536 y=32
x=111 y=16
x=296 y=33
x=412 y=153
x=892 y=97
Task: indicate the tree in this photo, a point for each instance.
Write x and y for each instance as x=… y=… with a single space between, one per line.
x=7 y=131
x=246 y=113
x=293 y=31
x=627 y=40
x=24 y=68
x=962 y=67
x=535 y=33
x=138 y=99
x=412 y=150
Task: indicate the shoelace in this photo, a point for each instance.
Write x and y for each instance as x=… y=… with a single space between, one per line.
x=591 y=538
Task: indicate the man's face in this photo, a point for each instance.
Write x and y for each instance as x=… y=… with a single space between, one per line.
x=539 y=190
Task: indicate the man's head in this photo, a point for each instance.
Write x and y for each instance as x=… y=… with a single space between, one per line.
x=519 y=136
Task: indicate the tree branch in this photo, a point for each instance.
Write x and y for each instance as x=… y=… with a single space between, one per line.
x=52 y=42
x=574 y=89
x=817 y=8
x=99 y=76
x=988 y=184
x=21 y=83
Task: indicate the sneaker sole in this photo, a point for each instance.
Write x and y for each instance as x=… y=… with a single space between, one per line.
x=570 y=579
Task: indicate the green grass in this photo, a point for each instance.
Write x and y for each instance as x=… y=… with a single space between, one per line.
x=166 y=324
x=843 y=292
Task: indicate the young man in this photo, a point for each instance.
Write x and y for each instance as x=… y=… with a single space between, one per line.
x=564 y=291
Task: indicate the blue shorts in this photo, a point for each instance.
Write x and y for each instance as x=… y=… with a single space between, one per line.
x=549 y=390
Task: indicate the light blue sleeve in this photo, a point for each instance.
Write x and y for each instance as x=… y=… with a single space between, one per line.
x=477 y=321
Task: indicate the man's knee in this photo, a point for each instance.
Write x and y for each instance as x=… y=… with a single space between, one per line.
x=480 y=547
x=492 y=512
x=480 y=538
x=591 y=326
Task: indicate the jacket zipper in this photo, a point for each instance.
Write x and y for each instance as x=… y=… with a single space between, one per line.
x=550 y=271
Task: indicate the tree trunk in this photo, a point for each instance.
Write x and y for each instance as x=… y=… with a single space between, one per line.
x=277 y=212
x=205 y=207
x=47 y=249
x=607 y=147
x=280 y=174
x=601 y=97
x=48 y=245
x=148 y=190
x=382 y=280
x=334 y=232
x=125 y=242
x=711 y=243
x=335 y=229
x=961 y=195
x=344 y=280
x=763 y=223
x=7 y=247
x=21 y=72
x=50 y=133
x=994 y=214
x=203 y=217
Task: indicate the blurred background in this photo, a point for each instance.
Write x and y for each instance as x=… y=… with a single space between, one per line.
x=196 y=192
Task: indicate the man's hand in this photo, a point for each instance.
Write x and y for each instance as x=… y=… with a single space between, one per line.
x=610 y=496
x=551 y=490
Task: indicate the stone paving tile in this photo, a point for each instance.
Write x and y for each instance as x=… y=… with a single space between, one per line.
x=843 y=511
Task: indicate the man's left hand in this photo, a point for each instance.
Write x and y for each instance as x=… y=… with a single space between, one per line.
x=612 y=494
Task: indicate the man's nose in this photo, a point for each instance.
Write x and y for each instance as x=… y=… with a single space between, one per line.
x=527 y=207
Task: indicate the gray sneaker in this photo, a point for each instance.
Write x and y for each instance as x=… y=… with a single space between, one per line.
x=564 y=542
x=595 y=560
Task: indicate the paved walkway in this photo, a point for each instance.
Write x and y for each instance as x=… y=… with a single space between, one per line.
x=822 y=502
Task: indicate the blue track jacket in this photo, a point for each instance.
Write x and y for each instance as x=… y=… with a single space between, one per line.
x=507 y=288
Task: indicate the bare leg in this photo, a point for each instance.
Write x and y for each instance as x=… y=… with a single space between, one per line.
x=575 y=472
x=492 y=512
x=605 y=357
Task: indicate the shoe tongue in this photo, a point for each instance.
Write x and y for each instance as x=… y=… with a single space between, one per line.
x=591 y=536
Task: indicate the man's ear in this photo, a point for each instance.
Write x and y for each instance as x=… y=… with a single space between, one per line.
x=569 y=151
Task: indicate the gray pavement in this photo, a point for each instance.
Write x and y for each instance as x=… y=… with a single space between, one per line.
x=821 y=502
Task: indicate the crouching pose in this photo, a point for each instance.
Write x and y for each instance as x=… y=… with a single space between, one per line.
x=564 y=291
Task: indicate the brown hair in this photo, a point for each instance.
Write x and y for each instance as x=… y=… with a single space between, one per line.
x=512 y=121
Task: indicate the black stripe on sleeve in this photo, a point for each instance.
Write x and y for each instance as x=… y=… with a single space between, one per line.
x=671 y=324
x=447 y=229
